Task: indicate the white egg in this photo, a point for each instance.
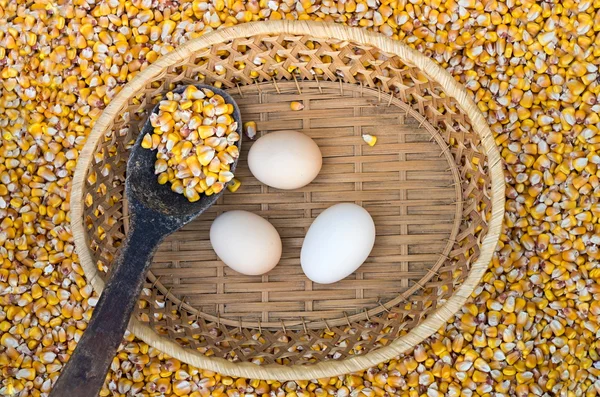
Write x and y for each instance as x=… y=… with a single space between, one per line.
x=337 y=243
x=245 y=242
x=285 y=159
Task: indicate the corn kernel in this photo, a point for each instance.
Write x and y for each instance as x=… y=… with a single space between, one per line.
x=296 y=105
x=369 y=139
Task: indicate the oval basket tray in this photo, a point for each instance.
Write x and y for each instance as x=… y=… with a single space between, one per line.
x=433 y=184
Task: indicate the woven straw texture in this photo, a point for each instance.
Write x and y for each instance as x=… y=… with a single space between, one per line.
x=405 y=182
x=432 y=184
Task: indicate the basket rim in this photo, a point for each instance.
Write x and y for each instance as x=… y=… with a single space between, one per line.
x=429 y=326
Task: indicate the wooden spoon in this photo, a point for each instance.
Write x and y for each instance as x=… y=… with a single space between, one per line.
x=156 y=212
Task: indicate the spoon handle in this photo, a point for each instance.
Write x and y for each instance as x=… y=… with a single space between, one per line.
x=85 y=372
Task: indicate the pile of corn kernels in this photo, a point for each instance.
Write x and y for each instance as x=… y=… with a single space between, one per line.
x=530 y=329
x=195 y=137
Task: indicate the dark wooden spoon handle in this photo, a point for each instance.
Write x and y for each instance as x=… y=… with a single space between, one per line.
x=85 y=372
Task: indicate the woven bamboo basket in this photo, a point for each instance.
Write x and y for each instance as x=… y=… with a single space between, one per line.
x=433 y=184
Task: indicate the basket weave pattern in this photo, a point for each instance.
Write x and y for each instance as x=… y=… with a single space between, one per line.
x=403 y=181
x=264 y=73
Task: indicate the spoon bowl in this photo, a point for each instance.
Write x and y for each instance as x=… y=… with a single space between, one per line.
x=142 y=187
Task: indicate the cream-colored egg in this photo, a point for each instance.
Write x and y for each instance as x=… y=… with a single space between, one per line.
x=245 y=242
x=285 y=159
x=337 y=243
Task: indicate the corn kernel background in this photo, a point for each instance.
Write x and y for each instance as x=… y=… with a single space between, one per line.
x=530 y=329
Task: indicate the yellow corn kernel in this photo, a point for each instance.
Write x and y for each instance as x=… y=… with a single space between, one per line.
x=250 y=129
x=225 y=176
x=233 y=151
x=205 y=155
x=147 y=141
x=186 y=104
x=191 y=194
x=163 y=178
x=160 y=166
x=296 y=105
x=222 y=109
x=369 y=139
x=186 y=148
x=214 y=165
x=225 y=158
x=193 y=164
x=225 y=119
x=177 y=186
x=197 y=106
x=234 y=185
x=217 y=187
x=206 y=131
x=172 y=139
x=208 y=110
x=216 y=99
x=203 y=184
x=211 y=178
x=221 y=129
x=192 y=92
x=212 y=141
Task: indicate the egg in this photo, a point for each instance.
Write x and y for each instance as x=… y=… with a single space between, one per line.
x=245 y=242
x=285 y=159
x=339 y=240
